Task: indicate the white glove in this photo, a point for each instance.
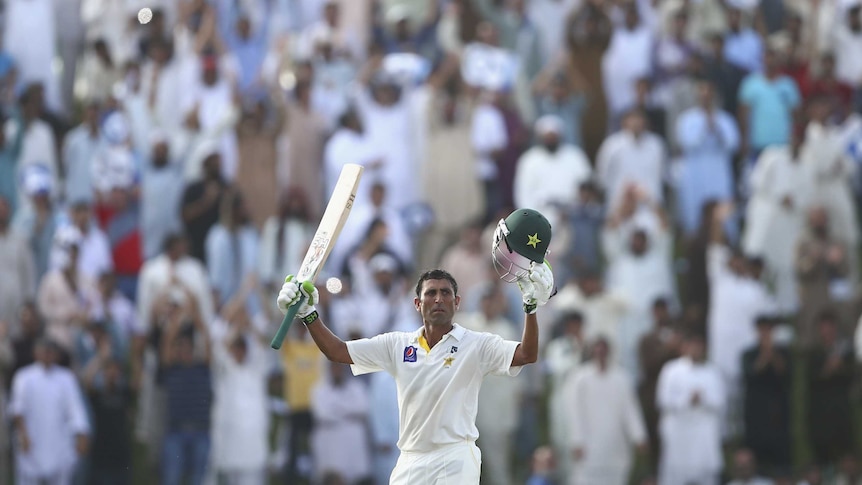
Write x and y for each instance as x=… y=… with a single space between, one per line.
x=537 y=287
x=290 y=293
x=543 y=282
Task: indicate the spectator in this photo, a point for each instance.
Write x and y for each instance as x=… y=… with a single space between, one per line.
x=231 y=253
x=691 y=400
x=584 y=219
x=185 y=376
x=120 y=315
x=603 y=309
x=240 y=448
x=767 y=105
x=339 y=440
x=564 y=355
x=398 y=239
x=111 y=399
x=826 y=157
x=489 y=140
x=743 y=45
x=846 y=37
x=9 y=159
x=632 y=155
x=775 y=214
x=300 y=360
x=561 y=94
x=201 y=204
x=550 y=172
x=66 y=297
x=38 y=221
x=736 y=299
x=656 y=348
x=823 y=268
x=606 y=421
x=258 y=134
x=724 y=74
x=637 y=247
x=304 y=129
x=542 y=467
x=212 y=100
x=31 y=328
x=80 y=147
x=385 y=103
x=118 y=211
x=745 y=469
x=673 y=50
x=161 y=193
x=17 y=272
x=767 y=372
x=708 y=138
x=830 y=372
x=466 y=259
x=50 y=419
x=628 y=58
x=95 y=250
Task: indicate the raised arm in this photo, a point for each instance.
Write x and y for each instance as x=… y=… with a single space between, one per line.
x=536 y=291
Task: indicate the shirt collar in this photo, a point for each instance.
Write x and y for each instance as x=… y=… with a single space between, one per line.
x=457 y=333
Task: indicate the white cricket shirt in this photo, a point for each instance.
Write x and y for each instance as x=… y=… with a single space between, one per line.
x=438 y=388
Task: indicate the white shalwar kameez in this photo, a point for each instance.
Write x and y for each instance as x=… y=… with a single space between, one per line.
x=606 y=423
x=690 y=434
x=52 y=407
x=240 y=431
x=640 y=280
x=735 y=303
x=340 y=438
x=824 y=153
x=771 y=229
x=389 y=128
x=543 y=178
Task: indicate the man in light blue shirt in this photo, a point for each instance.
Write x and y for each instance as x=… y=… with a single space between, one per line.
x=767 y=104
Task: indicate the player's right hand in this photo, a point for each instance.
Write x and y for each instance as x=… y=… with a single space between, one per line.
x=291 y=292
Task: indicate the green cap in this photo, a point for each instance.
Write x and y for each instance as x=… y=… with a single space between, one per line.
x=529 y=234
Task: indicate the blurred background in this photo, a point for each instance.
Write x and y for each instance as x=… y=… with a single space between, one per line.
x=699 y=161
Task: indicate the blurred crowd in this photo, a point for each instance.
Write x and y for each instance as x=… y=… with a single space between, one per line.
x=699 y=161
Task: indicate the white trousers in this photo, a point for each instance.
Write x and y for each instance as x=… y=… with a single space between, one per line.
x=456 y=464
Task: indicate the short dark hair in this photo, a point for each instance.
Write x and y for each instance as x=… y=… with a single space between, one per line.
x=436 y=274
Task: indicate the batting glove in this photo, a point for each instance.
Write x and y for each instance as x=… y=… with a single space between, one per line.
x=537 y=287
x=291 y=292
x=543 y=281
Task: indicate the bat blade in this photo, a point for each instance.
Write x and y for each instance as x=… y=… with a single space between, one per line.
x=334 y=217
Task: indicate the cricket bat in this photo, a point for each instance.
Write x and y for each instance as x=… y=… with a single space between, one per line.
x=334 y=217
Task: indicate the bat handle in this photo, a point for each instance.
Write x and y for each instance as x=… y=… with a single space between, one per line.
x=286 y=323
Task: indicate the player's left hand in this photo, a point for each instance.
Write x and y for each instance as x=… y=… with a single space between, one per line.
x=542 y=279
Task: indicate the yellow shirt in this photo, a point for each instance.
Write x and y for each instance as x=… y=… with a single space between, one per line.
x=301 y=361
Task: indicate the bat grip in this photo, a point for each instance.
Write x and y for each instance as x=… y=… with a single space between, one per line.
x=286 y=323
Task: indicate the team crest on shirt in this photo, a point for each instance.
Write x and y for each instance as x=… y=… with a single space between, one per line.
x=447 y=362
x=410 y=354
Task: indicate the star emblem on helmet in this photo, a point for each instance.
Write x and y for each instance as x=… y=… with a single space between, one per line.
x=533 y=240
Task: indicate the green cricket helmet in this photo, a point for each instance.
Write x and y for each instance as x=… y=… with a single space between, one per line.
x=520 y=240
